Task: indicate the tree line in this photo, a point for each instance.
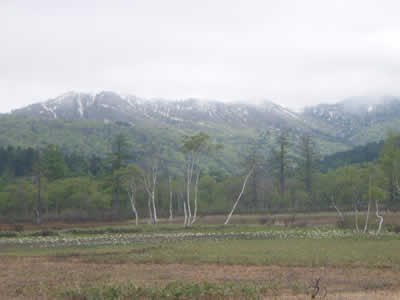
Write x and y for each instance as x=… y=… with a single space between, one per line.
x=45 y=183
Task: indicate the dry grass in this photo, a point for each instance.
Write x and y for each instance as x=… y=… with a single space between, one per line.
x=45 y=277
x=382 y=295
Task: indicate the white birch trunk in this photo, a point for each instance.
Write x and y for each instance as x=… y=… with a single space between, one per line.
x=240 y=195
x=196 y=189
x=154 y=175
x=134 y=210
x=170 y=199
x=185 y=212
x=189 y=176
x=379 y=217
x=132 y=198
x=150 y=211
x=148 y=188
x=337 y=209
x=367 y=217
x=369 y=204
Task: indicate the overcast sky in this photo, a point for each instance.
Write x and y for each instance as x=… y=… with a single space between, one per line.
x=294 y=53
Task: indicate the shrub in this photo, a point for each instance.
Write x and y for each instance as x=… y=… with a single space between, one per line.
x=44 y=232
x=7 y=234
x=393 y=228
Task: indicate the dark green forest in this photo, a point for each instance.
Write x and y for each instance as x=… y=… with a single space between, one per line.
x=149 y=180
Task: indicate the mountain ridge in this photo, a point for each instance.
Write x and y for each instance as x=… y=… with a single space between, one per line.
x=336 y=127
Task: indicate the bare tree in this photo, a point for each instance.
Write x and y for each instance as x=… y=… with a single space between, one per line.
x=150 y=178
x=150 y=182
x=369 y=202
x=379 y=217
x=196 y=190
x=131 y=189
x=250 y=163
x=186 y=221
x=240 y=195
x=333 y=202
x=194 y=147
x=129 y=177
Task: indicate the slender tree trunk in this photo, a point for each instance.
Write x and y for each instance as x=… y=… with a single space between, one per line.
x=189 y=176
x=185 y=212
x=282 y=176
x=154 y=207
x=155 y=171
x=196 y=189
x=369 y=204
x=150 y=210
x=132 y=199
x=337 y=209
x=150 y=186
x=170 y=198
x=136 y=215
x=356 y=217
x=367 y=217
x=39 y=197
x=379 y=217
x=240 y=195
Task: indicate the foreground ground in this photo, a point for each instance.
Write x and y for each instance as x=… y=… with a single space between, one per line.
x=227 y=262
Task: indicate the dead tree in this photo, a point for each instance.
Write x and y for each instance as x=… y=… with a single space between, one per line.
x=131 y=189
x=196 y=191
x=150 y=182
x=240 y=195
x=379 y=217
x=369 y=203
x=129 y=177
x=333 y=202
x=195 y=147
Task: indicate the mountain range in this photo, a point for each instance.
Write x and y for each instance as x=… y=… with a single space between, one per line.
x=334 y=127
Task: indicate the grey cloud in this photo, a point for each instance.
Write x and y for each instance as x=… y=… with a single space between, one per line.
x=293 y=52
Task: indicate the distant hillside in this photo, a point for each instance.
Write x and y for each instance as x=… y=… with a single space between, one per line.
x=86 y=123
x=357 y=120
x=360 y=154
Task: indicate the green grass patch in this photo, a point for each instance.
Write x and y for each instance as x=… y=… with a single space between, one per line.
x=327 y=252
x=173 y=290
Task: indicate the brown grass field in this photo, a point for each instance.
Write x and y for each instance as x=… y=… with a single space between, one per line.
x=41 y=277
x=45 y=273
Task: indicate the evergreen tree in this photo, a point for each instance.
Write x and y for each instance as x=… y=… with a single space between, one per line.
x=308 y=165
x=390 y=158
x=279 y=161
x=118 y=159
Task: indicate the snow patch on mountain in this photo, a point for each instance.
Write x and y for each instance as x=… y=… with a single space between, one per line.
x=80 y=106
x=49 y=110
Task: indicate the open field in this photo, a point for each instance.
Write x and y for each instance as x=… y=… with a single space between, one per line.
x=294 y=220
x=205 y=261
